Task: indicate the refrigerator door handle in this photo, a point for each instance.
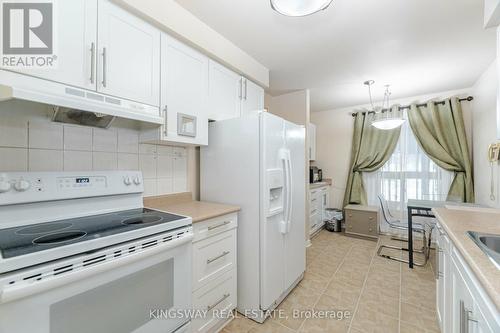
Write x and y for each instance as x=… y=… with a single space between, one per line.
x=289 y=193
x=286 y=175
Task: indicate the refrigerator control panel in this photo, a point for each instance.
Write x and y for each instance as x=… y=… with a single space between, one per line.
x=275 y=186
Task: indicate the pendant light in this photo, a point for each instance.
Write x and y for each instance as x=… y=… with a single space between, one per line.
x=299 y=7
x=384 y=119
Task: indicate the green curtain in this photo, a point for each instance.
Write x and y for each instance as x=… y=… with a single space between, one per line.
x=371 y=149
x=440 y=131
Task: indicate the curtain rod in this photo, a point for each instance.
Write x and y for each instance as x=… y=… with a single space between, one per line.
x=407 y=107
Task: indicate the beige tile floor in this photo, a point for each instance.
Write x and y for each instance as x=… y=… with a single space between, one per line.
x=345 y=273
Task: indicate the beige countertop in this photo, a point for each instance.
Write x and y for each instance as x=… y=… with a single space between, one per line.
x=456 y=223
x=183 y=204
x=325 y=182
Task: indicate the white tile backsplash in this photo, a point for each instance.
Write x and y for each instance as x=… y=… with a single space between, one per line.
x=165 y=185
x=164 y=166
x=13 y=132
x=102 y=161
x=128 y=141
x=77 y=138
x=128 y=161
x=147 y=148
x=165 y=150
x=13 y=159
x=45 y=160
x=41 y=145
x=105 y=140
x=77 y=160
x=180 y=167
x=147 y=164
x=180 y=185
x=150 y=187
x=45 y=135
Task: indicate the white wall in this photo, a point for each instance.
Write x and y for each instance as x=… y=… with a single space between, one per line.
x=293 y=106
x=174 y=19
x=29 y=141
x=334 y=129
x=485 y=132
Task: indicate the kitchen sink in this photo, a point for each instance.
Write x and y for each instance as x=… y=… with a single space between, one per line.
x=489 y=244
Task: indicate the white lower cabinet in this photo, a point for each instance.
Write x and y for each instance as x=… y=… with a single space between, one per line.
x=319 y=199
x=462 y=304
x=214 y=272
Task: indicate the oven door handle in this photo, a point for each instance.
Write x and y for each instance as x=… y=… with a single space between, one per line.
x=14 y=292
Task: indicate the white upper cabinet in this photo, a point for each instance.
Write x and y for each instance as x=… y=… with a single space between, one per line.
x=128 y=55
x=231 y=95
x=252 y=97
x=184 y=92
x=312 y=142
x=184 y=95
x=76 y=42
x=225 y=92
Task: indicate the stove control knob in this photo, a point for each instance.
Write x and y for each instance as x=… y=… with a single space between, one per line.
x=22 y=185
x=4 y=186
x=137 y=180
x=127 y=181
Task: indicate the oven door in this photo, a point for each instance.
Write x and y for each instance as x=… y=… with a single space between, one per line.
x=133 y=293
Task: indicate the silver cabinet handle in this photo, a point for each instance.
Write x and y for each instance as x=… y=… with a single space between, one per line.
x=92 y=62
x=313 y=200
x=222 y=299
x=212 y=227
x=104 y=69
x=223 y=254
x=246 y=89
x=464 y=325
x=240 y=93
x=165 y=120
x=465 y=318
x=439 y=274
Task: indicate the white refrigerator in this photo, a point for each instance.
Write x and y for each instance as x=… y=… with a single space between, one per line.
x=257 y=162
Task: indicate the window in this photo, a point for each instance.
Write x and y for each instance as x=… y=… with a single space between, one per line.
x=408 y=174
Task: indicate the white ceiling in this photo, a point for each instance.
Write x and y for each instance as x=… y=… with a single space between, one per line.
x=417 y=46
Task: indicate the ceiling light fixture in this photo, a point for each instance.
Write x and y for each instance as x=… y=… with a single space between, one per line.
x=299 y=7
x=381 y=121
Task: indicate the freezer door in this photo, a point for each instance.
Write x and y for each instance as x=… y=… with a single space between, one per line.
x=295 y=238
x=272 y=256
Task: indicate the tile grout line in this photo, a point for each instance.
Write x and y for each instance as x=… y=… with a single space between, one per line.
x=362 y=289
x=328 y=283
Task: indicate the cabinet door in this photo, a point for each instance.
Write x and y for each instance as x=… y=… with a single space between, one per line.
x=440 y=283
x=225 y=92
x=462 y=302
x=129 y=55
x=252 y=97
x=312 y=142
x=76 y=43
x=184 y=89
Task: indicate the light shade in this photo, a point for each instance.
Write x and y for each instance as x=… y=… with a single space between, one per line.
x=388 y=123
x=299 y=7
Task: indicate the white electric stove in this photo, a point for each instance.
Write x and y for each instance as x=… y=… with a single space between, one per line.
x=80 y=253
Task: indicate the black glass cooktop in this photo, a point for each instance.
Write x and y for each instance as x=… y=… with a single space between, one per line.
x=39 y=237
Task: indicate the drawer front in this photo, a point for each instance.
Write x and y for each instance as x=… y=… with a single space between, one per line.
x=362 y=223
x=213 y=256
x=214 y=226
x=219 y=295
x=314 y=208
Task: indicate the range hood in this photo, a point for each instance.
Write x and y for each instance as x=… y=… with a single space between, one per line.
x=74 y=105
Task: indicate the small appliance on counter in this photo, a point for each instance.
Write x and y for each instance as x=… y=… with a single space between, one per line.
x=315 y=174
